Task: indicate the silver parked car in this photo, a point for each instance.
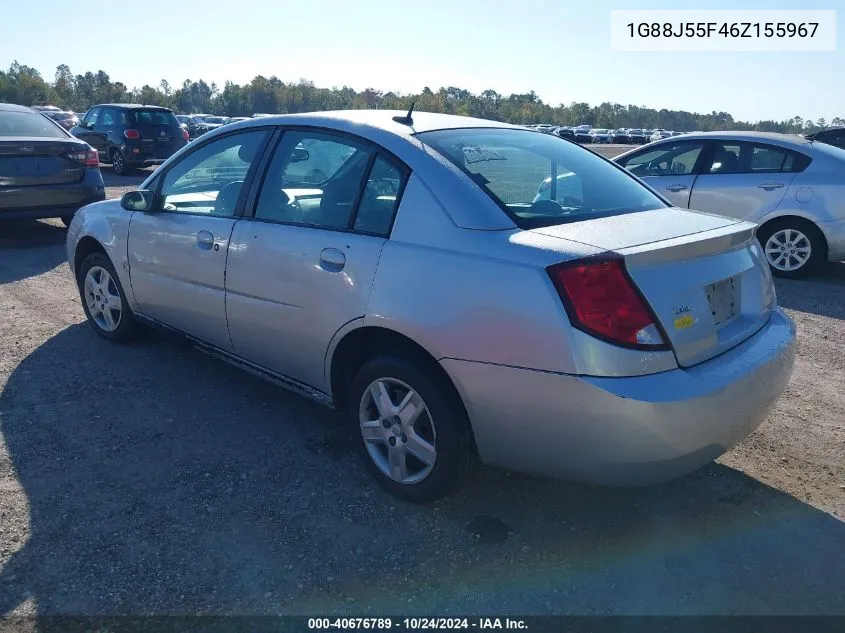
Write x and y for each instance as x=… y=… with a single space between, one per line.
x=432 y=278
x=791 y=186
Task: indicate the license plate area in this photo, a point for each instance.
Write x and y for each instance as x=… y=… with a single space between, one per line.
x=723 y=299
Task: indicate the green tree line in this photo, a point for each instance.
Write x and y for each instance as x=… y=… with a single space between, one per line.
x=25 y=85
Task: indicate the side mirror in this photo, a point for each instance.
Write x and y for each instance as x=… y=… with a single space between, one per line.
x=138 y=200
x=300 y=154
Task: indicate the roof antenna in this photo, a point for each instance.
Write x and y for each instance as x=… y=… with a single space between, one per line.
x=406 y=120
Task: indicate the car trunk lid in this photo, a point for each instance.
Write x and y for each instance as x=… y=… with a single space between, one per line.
x=703 y=275
x=29 y=162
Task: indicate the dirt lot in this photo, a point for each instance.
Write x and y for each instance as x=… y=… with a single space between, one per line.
x=151 y=479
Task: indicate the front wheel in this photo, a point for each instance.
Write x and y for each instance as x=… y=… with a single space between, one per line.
x=415 y=437
x=104 y=301
x=793 y=247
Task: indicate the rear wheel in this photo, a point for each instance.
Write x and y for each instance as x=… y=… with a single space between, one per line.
x=793 y=247
x=118 y=162
x=103 y=299
x=415 y=438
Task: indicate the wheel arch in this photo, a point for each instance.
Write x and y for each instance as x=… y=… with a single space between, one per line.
x=358 y=342
x=84 y=247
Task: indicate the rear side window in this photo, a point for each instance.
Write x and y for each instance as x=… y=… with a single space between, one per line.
x=540 y=179
x=755 y=158
x=380 y=198
x=28 y=124
x=113 y=116
x=152 y=117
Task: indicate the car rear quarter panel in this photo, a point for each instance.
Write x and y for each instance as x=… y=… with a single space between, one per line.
x=107 y=223
x=485 y=295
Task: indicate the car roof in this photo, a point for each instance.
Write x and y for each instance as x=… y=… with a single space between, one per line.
x=381 y=120
x=130 y=106
x=13 y=107
x=791 y=140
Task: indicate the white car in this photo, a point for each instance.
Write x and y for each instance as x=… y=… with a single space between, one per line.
x=792 y=187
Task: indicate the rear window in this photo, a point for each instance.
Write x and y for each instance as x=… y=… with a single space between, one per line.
x=152 y=117
x=28 y=124
x=540 y=179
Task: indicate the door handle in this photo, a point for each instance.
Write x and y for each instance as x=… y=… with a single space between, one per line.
x=332 y=259
x=676 y=188
x=205 y=241
x=768 y=186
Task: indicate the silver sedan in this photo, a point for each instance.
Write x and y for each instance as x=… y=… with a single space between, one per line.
x=791 y=186
x=457 y=288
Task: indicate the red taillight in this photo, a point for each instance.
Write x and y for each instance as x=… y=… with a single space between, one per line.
x=88 y=157
x=184 y=134
x=602 y=300
x=131 y=134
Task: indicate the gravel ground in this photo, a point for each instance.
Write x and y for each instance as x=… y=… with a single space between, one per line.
x=149 y=478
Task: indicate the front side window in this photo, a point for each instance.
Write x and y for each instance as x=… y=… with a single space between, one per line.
x=671 y=159
x=92 y=116
x=313 y=179
x=517 y=169
x=209 y=179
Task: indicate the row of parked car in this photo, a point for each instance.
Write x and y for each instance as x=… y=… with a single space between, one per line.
x=199 y=124
x=588 y=134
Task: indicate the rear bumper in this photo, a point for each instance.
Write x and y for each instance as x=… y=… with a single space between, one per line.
x=625 y=431
x=834 y=233
x=137 y=155
x=51 y=201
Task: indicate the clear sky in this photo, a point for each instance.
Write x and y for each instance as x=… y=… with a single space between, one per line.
x=558 y=48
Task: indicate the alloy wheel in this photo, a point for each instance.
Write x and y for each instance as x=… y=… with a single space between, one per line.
x=398 y=430
x=788 y=250
x=103 y=299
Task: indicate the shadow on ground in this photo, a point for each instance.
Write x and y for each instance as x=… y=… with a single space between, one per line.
x=29 y=248
x=823 y=293
x=160 y=481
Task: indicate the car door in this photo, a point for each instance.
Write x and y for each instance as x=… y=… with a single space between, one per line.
x=110 y=125
x=303 y=266
x=670 y=168
x=88 y=132
x=743 y=180
x=177 y=252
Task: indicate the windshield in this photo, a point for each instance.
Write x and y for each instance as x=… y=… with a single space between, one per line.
x=215 y=119
x=28 y=124
x=541 y=179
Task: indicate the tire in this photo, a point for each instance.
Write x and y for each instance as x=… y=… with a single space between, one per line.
x=442 y=425
x=789 y=237
x=125 y=328
x=118 y=163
